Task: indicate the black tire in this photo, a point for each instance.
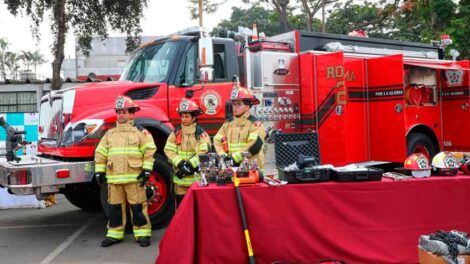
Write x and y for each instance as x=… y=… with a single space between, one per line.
x=419 y=139
x=84 y=195
x=163 y=216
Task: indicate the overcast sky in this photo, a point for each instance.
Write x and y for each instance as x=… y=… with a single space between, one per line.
x=161 y=18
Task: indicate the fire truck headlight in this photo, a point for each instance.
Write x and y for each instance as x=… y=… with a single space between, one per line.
x=77 y=131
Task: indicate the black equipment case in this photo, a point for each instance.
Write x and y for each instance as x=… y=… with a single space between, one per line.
x=288 y=147
x=366 y=174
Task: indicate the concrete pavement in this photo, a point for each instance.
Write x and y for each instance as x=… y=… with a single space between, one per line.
x=65 y=234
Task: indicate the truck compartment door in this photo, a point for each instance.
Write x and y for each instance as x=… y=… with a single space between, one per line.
x=384 y=98
x=323 y=103
x=455 y=102
x=356 y=110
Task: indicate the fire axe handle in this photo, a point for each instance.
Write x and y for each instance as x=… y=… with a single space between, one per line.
x=251 y=257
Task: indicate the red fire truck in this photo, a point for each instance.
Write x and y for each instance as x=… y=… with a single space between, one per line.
x=368 y=99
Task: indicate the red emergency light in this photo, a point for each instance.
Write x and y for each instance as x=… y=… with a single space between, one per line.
x=62 y=173
x=446 y=40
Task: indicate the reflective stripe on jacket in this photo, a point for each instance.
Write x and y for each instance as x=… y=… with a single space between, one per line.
x=188 y=149
x=123 y=152
x=244 y=134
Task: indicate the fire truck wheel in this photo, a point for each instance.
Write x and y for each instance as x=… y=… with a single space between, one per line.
x=420 y=143
x=83 y=195
x=161 y=206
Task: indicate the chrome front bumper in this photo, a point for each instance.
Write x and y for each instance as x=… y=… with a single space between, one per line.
x=37 y=175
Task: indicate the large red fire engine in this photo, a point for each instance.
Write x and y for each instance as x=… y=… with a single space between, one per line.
x=369 y=100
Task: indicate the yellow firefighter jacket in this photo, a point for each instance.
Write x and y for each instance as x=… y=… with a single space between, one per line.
x=243 y=133
x=193 y=142
x=123 y=152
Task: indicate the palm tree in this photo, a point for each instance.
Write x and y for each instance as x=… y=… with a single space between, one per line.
x=26 y=57
x=12 y=62
x=3 y=47
x=37 y=59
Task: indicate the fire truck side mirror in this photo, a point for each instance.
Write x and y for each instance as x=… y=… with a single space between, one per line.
x=206 y=60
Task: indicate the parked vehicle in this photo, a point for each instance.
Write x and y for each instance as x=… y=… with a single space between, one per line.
x=368 y=99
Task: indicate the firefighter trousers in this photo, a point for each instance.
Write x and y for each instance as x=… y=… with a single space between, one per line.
x=135 y=196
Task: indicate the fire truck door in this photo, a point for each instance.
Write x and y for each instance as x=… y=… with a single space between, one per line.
x=384 y=99
x=210 y=96
x=329 y=99
x=455 y=102
x=356 y=110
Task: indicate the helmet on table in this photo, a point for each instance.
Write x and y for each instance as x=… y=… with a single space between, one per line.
x=418 y=165
x=445 y=163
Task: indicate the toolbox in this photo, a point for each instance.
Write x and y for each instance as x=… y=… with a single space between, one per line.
x=288 y=147
x=348 y=174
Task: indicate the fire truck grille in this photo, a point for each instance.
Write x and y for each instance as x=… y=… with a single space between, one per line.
x=141 y=94
x=50 y=117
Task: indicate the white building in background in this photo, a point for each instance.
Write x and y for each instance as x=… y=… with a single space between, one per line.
x=107 y=59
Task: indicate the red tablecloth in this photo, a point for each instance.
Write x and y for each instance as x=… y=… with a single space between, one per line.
x=368 y=222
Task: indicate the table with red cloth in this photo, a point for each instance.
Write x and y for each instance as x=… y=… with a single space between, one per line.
x=359 y=222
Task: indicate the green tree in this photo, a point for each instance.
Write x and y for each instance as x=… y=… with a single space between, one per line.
x=12 y=61
x=37 y=59
x=265 y=20
x=27 y=58
x=208 y=7
x=349 y=16
x=3 y=49
x=422 y=20
x=87 y=18
x=282 y=9
x=310 y=8
x=460 y=30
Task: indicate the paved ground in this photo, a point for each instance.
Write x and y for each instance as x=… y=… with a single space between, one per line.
x=65 y=234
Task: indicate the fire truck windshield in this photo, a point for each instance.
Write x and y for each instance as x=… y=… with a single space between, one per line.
x=151 y=64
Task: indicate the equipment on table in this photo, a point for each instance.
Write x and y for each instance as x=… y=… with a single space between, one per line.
x=306 y=161
x=215 y=169
x=273 y=181
x=396 y=176
x=298 y=158
x=207 y=168
x=355 y=173
x=248 y=174
x=445 y=163
x=417 y=165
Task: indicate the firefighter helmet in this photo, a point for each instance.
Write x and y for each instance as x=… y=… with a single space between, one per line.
x=243 y=94
x=445 y=163
x=126 y=103
x=189 y=106
x=418 y=165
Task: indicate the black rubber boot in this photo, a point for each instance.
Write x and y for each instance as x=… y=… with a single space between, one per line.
x=144 y=241
x=109 y=241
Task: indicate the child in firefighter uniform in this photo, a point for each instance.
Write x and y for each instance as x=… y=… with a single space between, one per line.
x=124 y=159
x=243 y=132
x=184 y=145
